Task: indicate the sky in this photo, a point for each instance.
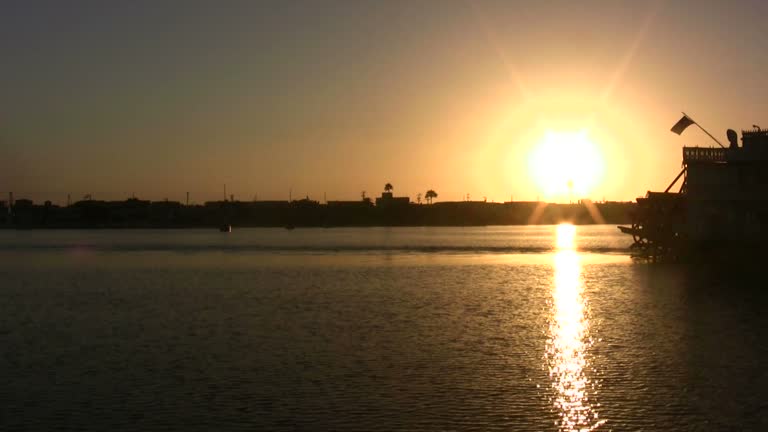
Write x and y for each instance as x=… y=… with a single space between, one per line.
x=328 y=98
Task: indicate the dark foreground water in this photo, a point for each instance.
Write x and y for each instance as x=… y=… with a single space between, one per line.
x=515 y=329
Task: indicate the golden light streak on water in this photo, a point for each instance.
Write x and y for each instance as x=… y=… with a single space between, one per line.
x=569 y=340
x=566 y=237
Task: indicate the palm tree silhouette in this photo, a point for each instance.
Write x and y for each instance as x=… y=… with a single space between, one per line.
x=431 y=194
x=388 y=187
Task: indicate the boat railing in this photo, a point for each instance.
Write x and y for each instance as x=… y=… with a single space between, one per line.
x=704 y=154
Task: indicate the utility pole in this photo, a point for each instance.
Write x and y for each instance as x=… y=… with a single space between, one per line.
x=69 y=200
x=187 y=198
x=225 y=191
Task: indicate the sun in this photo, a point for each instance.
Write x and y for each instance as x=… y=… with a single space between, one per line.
x=566 y=165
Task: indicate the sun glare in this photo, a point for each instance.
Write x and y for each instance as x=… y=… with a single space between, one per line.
x=566 y=237
x=566 y=165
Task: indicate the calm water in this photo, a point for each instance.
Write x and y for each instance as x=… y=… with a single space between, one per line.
x=498 y=328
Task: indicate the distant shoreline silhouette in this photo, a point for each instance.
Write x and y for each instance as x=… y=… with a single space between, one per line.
x=388 y=210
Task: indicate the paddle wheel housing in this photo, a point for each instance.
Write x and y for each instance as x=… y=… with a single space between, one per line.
x=658 y=224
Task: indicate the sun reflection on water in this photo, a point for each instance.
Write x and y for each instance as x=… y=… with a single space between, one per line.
x=569 y=340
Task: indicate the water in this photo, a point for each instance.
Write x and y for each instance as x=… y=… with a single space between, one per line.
x=498 y=328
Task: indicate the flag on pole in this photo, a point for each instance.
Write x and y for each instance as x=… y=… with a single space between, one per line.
x=683 y=123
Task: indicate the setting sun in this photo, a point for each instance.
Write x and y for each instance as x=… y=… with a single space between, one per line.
x=566 y=165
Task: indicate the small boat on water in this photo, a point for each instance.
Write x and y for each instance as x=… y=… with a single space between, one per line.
x=225 y=228
x=289 y=227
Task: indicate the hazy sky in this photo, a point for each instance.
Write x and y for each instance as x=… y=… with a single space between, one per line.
x=158 y=98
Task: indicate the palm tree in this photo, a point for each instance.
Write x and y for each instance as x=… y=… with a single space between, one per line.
x=388 y=187
x=430 y=195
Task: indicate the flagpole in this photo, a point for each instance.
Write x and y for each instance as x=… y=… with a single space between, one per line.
x=705 y=131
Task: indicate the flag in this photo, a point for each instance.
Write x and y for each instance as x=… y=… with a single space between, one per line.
x=683 y=123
